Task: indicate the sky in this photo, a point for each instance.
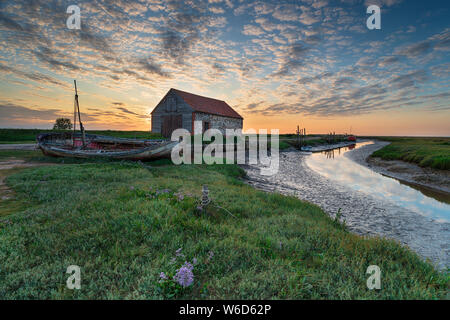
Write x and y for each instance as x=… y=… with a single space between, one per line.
x=280 y=64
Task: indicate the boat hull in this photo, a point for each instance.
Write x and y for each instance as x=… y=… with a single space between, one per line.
x=103 y=147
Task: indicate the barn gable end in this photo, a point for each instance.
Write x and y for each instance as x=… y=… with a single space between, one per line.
x=167 y=107
x=180 y=109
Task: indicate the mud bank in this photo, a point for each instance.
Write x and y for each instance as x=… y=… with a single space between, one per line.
x=438 y=180
x=363 y=213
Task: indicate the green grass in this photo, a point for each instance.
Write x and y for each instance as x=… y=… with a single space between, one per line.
x=108 y=219
x=9 y=205
x=284 y=145
x=8 y=136
x=426 y=152
x=26 y=155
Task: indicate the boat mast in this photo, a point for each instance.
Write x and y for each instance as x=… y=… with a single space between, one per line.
x=74 y=120
x=77 y=109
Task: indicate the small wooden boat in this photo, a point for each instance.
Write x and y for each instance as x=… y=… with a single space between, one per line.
x=81 y=145
x=67 y=144
x=306 y=148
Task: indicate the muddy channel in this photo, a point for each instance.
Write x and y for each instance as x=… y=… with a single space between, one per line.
x=371 y=204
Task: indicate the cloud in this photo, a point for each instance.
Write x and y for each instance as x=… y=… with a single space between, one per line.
x=182 y=30
x=13 y=112
x=149 y=66
x=127 y=111
x=306 y=80
x=308 y=17
x=216 y=10
x=94 y=40
x=381 y=3
x=366 y=91
x=293 y=60
x=408 y=80
x=319 y=4
x=34 y=76
x=442 y=40
x=386 y=61
x=12 y=25
x=30 y=33
x=252 y=106
x=439 y=42
x=270 y=26
x=286 y=13
x=416 y=49
x=51 y=58
x=251 y=30
x=344 y=82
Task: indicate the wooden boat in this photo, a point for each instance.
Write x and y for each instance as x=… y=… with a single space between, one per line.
x=81 y=145
x=67 y=144
x=306 y=148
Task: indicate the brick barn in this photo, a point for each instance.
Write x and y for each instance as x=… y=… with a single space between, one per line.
x=179 y=109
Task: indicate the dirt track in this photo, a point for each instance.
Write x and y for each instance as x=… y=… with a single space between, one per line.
x=24 y=146
x=6 y=166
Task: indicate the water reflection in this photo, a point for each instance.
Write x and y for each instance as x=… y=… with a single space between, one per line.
x=334 y=166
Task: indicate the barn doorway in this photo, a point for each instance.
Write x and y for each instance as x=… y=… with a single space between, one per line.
x=171 y=123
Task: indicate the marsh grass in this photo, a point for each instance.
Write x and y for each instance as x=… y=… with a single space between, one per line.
x=426 y=152
x=100 y=216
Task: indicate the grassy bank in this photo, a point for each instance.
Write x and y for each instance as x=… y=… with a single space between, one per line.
x=123 y=224
x=29 y=135
x=426 y=152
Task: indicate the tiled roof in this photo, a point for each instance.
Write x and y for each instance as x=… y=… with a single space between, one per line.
x=207 y=105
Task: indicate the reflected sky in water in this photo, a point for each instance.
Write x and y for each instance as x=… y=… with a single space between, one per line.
x=333 y=165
